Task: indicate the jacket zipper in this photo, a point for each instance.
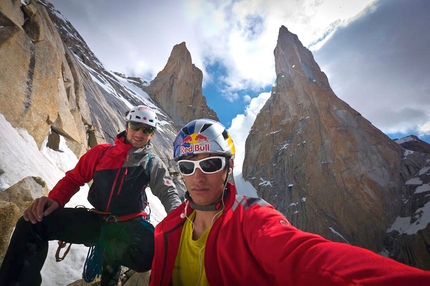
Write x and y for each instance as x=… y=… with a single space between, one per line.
x=112 y=189
x=122 y=180
x=114 y=183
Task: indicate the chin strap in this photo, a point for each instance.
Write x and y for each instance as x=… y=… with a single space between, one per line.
x=211 y=207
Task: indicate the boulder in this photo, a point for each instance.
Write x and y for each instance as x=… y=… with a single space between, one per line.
x=9 y=214
x=25 y=192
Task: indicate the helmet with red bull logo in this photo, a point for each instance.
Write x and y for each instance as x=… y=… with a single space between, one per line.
x=203 y=136
x=142 y=114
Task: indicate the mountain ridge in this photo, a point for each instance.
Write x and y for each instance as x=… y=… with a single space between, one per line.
x=308 y=138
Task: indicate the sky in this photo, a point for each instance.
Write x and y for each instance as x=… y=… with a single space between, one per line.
x=375 y=53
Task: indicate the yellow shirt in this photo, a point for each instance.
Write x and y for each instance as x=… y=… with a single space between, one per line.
x=189 y=265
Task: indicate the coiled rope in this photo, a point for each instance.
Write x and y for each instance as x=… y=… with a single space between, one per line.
x=93 y=263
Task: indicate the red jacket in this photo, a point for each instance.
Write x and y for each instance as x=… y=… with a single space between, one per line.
x=254 y=244
x=120 y=175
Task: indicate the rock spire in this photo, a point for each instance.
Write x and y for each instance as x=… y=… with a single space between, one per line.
x=178 y=88
x=328 y=169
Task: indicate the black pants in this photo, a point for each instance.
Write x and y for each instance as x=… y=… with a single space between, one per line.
x=129 y=243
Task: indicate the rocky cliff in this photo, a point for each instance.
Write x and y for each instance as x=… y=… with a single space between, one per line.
x=52 y=82
x=328 y=169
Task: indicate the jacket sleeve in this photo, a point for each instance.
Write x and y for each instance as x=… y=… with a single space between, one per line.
x=299 y=258
x=162 y=185
x=78 y=176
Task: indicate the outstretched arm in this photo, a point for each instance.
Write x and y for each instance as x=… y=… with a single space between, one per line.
x=300 y=258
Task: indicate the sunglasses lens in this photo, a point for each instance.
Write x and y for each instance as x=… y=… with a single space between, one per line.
x=186 y=168
x=211 y=165
x=145 y=129
x=148 y=130
x=134 y=126
x=208 y=165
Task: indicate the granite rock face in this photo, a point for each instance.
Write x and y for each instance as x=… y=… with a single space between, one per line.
x=9 y=214
x=25 y=192
x=317 y=160
x=33 y=74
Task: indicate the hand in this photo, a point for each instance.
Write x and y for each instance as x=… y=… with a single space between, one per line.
x=39 y=208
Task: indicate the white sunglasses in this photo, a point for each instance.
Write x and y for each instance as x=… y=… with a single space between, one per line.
x=209 y=165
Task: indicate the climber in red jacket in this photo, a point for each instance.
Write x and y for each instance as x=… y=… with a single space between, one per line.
x=217 y=237
x=118 y=228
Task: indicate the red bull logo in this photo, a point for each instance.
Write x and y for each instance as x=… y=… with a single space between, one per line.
x=195 y=143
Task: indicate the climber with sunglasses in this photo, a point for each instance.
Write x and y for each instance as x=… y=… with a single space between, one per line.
x=218 y=237
x=117 y=229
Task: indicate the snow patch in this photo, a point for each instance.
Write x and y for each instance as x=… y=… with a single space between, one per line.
x=403 y=225
x=422 y=189
x=338 y=234
x=414 y=181
x=423 y=171
x=405 y=139
x=265 y=183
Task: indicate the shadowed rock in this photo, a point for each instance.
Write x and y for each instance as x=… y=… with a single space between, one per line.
x=347 y=177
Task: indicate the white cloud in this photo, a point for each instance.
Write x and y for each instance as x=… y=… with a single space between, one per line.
x=424 y=129
x=230 y=96
x=246 y=98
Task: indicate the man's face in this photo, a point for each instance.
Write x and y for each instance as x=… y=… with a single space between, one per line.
x=140 y=137
x=204 y=188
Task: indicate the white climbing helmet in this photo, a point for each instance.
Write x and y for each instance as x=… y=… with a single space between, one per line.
x=142 y=114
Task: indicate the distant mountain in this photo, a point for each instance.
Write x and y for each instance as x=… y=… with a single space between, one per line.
x=178 y=88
